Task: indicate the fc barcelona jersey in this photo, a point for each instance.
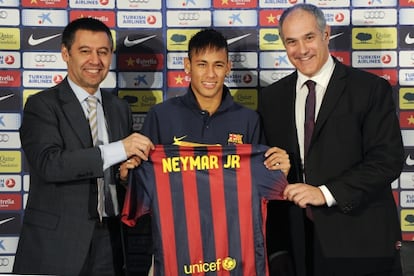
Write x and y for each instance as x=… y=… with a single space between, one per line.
x=208 y=206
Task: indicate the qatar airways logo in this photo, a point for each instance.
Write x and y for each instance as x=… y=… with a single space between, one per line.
x=92 y=4
x=338 y=17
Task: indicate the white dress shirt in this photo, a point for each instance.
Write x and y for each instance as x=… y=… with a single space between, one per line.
x=321 y=79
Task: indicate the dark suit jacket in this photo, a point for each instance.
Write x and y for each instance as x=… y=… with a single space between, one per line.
x=356 y=151
x=56 y=140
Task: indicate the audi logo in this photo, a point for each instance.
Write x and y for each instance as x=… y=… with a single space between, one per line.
x=45 y=58
x=4 y=137
x=138 y=1
x=4 y=261
x=188 y=16
x=3 y=14
x=374 y=15
x=237 y=57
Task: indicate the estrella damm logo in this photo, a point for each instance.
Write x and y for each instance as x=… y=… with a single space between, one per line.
x=227 y=264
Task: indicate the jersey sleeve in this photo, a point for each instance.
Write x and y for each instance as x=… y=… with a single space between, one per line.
x=137 y=199
x=271 y=183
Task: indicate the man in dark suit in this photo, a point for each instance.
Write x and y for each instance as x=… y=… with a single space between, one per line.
x=343 y=211
x=62 y=233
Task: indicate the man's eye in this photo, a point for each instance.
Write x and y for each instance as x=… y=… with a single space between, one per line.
x=310 y=37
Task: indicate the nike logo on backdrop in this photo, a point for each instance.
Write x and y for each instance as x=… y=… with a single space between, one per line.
x=36 y=41
x=409 y=161
x=130 y=43
x=235 y=39
x=409 y=39
x=6 y=220
x=335 y=36
x=6 y=97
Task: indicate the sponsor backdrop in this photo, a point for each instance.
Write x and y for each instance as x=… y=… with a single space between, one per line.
x=151 y=42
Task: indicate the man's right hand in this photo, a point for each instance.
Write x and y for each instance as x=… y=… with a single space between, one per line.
x=138 y=145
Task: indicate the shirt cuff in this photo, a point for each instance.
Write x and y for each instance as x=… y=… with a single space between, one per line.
x=112 y=154
x=330 y=200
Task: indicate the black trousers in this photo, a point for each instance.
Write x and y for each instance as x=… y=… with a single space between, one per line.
x=106 y=254
x=320 y=265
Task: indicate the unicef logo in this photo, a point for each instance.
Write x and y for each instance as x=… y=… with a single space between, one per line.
x=229 y=263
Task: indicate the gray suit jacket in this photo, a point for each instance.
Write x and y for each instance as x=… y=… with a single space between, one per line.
x=57 y=143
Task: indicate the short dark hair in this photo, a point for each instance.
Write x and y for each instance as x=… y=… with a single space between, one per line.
x=84 y=23
x=207 y=39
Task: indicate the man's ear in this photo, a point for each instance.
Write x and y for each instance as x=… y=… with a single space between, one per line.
x=65 y=53
x=187 y=65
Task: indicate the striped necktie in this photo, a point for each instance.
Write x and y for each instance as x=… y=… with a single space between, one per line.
x=105 y=203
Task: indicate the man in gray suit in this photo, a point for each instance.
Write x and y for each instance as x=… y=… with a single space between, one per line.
x=62 y=233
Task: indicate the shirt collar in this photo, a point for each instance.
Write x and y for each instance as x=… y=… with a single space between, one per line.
x=322 y=77
x=81 y=94
x=226 y=101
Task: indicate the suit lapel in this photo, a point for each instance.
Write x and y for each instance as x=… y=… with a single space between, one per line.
x=74 y=112
x=290 y=97
x=111 y=115
x=335 y=89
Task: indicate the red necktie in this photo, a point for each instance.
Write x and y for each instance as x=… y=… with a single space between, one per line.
x=309 y=114
x=309 y=124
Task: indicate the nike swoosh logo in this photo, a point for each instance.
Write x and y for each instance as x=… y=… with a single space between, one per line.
x=6 y=220
x=36 y=41
x=409 y=161
x=130 y=43
x=6 y=97
x=408 y=39
x=235 y=39
x=335 y=36
x=177 y=139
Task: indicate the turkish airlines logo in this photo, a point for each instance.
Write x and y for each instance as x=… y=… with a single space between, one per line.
x=37 y=41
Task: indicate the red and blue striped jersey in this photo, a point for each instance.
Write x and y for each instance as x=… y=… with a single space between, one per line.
x=208 y=206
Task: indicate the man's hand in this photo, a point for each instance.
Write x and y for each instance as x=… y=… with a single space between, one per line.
x=137 y=145
x=304 y=194
x=277 y=159
x=131 y=163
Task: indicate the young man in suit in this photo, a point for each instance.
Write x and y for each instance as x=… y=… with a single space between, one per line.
x=62 y=232
x=343 y=207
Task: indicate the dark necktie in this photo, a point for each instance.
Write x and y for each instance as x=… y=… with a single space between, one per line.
x=309 y=114
x=104 y=194
x=309 y=125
